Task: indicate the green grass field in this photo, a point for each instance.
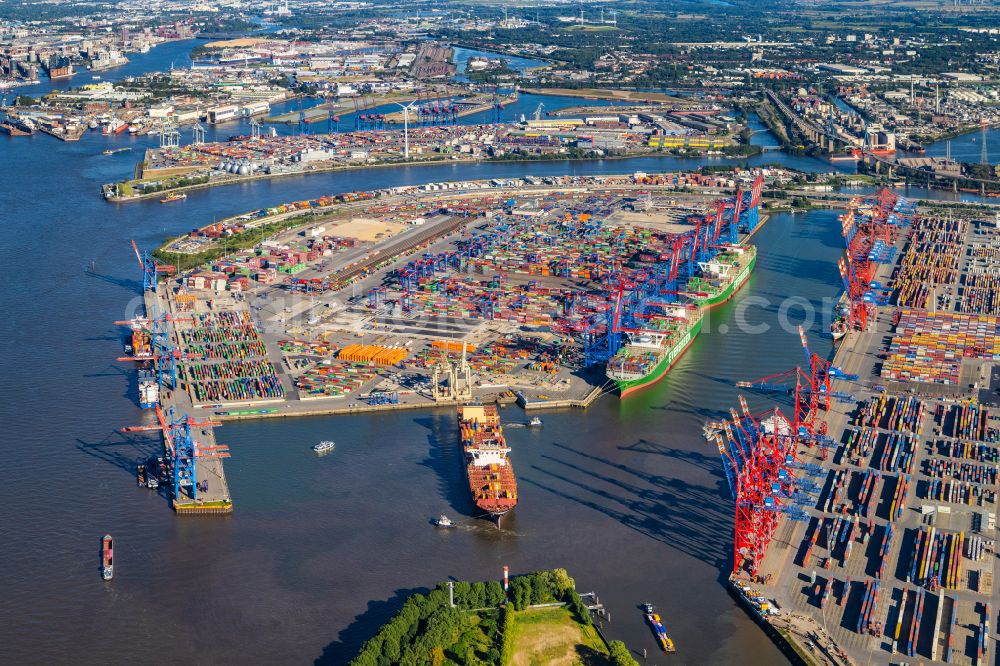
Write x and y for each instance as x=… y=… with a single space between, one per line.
x=551 y=637
x=591 y=28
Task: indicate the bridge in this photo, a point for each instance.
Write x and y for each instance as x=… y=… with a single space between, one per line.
x=824 y=137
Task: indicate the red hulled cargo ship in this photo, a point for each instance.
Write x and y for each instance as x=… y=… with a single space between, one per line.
x=487 y=462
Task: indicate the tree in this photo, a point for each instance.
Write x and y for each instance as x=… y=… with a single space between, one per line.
x=463 y=597
x=506 y=627
x=477 y=595
x=494 y=593
x=561 y=583
x=620 y=654
x=578 y=608
x=540 y=592
x=520 y=588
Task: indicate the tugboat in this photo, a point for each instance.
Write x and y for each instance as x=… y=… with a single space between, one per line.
x=140 y=475
x=443 y=521
x=323 y=447
x=661 y=634
x=107 y=558
x=174 y=196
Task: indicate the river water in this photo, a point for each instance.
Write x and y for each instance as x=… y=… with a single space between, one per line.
x=518 y=63
x=627 y=496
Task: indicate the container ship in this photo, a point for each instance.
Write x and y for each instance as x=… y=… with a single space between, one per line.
x=149 y=389
x=650 y=352
x=140 y=343
x=721 y=277
x=107 y=558
x=17 y=126
x=487 y=462
x=115 y=126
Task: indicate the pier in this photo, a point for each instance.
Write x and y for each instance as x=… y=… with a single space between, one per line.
x=208 y=492
x=892 y=553
x=192 y=470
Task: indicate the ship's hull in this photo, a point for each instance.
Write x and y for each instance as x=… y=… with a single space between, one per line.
x=7 y=128
x=659 y=371
x=107 y=558
x=494 y=514
x=726 y=294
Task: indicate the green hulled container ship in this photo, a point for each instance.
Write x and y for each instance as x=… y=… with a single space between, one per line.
x=648 y=353
x=722 y=277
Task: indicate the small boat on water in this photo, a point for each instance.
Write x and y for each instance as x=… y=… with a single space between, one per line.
x=661 y=634
x=140 y=475
x=709 y=431
x=323 y=447
x=152 y=482
x=838 y=329
x=107 y=558
x=174 y=196
x=535 y=423
x=443 y=521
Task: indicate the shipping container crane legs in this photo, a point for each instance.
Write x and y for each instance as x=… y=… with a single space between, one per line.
x=182 y=450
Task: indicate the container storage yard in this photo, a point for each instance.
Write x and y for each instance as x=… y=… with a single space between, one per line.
x=411 y=297
x=870 y=536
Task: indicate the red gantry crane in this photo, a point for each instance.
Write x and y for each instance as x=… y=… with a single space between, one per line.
x=758 y=453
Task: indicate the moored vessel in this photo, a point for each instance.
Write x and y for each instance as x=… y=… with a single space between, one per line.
x=114 y=126
x=16 y=126
x=174 y=196
x=838 y=329
x=487 y=462
x=722 y=276
x=650 y=352
x=149 y=389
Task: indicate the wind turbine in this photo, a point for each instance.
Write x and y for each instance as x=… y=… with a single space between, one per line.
x=406 y=127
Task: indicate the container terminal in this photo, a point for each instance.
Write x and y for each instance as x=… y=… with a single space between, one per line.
x=538 y=293
x=423 y=133
x=865 y=518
